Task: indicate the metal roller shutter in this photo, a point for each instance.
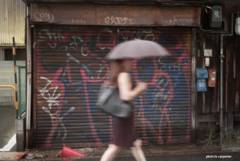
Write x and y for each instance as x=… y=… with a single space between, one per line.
x=69 y=67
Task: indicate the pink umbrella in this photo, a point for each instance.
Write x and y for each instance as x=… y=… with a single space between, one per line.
x=137 y=49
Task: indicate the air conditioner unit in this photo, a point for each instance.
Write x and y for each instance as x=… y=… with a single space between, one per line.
x=237 y=26
x=216 y=17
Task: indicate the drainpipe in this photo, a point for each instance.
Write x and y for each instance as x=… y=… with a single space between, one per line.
x=221 y=78
x=28 y=75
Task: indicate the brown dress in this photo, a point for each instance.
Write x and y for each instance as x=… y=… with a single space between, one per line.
x=124 y=133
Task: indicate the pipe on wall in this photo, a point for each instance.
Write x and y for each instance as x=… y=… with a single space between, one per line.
x=221 y=78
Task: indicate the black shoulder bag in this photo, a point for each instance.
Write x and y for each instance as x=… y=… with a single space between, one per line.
x=110 y=102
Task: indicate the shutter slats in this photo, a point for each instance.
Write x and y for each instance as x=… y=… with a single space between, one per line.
x=70 y=66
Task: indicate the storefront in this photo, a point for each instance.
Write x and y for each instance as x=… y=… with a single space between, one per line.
x=70 y=42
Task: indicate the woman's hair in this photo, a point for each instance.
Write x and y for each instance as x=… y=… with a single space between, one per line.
x=117 y=66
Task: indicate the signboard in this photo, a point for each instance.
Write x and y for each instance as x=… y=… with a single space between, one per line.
x=114 y=15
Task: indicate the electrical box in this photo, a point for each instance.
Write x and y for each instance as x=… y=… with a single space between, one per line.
x=216 y=17
x=202 y=75
x=212 y=77
x=208 y=52
x=201 y=85
x=207 y=62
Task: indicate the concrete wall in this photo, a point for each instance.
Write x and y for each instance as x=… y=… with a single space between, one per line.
x=7 y=78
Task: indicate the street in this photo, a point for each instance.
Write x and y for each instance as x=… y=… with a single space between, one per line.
x=226 y=156
x=232 y=156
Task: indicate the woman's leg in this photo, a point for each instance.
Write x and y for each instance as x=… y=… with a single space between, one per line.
x=110 y=153
x=137 y=151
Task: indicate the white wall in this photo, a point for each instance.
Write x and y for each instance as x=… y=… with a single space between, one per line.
x=7 y=78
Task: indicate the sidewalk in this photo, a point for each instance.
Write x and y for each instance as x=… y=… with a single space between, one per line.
x=151 y=152
x=191 y=157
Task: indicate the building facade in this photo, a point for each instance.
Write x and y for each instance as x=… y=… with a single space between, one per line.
x=12 y=24
x=67 y=43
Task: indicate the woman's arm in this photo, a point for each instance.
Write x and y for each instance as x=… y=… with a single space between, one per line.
x=125 y=87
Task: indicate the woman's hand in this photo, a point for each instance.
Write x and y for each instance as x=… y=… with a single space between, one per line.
x=141 y=86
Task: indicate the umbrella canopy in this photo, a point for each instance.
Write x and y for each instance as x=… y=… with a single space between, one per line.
x=137 y=49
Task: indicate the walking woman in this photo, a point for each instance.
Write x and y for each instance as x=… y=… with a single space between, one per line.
x=124 y=134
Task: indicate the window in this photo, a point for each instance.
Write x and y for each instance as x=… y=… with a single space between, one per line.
x=20 y=54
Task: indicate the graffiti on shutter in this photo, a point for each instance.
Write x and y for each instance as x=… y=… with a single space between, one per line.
x=70 y=68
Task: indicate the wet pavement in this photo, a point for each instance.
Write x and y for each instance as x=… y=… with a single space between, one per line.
x=226 y=156
x=183 y=157
x=177 y=152
x=7 y=125
x=189 y=157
